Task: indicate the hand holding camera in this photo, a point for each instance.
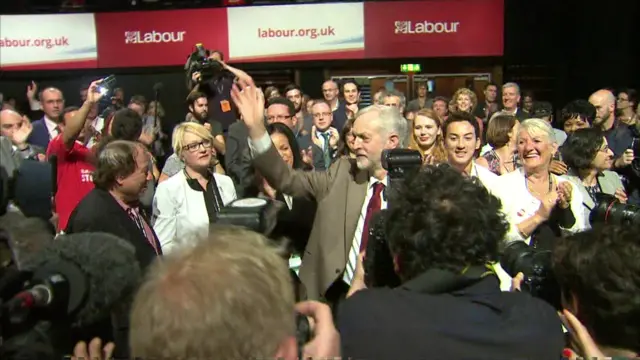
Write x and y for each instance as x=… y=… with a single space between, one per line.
x=325 y=339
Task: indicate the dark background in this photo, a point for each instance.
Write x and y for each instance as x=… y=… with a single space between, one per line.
x=562 y=50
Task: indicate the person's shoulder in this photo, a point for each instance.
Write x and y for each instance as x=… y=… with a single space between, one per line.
x=360 y=303
x=174 y=181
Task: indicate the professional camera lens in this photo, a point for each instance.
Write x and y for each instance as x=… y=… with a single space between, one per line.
x=609 y=211
x=517 y=258
x=535 y=265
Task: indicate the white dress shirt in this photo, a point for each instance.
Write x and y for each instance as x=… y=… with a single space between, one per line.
x=518 y=205
x=179 y=212
x=352 y=260
x=52 y=128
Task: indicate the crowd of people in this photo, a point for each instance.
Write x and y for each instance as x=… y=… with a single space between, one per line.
x=494 y=172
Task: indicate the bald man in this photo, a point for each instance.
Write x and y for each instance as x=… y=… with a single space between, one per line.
x=618 y=135
x=47 y=128
x=17 y=129
x=620 y=140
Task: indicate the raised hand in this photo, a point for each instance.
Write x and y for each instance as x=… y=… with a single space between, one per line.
x=314 y=137
x=32 y=90
x=93 y=94
x=20 y=136
x=249 y=100
x=334 y=137
x=564 y=194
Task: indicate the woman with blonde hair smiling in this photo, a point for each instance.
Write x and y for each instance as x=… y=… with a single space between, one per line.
x=465 y=100
x=191 y=199
x=426 y=137
x=539 y=205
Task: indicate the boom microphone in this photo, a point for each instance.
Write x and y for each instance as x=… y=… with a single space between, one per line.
x=81 y=276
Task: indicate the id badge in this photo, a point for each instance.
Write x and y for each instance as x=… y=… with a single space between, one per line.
x=225 y=105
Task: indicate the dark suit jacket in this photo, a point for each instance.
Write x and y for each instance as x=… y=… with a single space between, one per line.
x=98 y=211
x=340 y=116
x=295 y=223
x=236 y=166
x=40 y=134
x=476 y=322
x=339 y=192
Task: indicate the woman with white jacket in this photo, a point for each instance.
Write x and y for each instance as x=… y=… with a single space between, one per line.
x=185 y=204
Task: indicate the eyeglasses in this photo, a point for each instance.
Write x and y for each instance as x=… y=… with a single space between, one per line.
x=193 y=147
x=321 y=115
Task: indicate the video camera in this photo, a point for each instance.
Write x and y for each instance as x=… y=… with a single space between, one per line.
x=378 y=262
x=535 y=264
x=199 y=61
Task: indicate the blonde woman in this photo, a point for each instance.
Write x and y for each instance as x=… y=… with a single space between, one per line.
x=465 y=100
x=426 y=137
x=191 y=199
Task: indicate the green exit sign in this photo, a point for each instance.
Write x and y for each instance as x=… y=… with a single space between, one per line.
x=405 y=68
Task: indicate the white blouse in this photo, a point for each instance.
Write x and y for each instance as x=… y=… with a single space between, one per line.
x=179 y=212
x=518 y=205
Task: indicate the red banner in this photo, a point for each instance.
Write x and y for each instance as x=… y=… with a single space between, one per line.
x=158 y=38
x=439 y=28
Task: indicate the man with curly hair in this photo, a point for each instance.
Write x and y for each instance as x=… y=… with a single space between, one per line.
x=443 y=230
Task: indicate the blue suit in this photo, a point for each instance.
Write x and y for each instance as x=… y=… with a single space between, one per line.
x=40 y=134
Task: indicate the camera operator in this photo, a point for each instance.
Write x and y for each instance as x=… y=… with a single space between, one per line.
x=597 y=272
x=228 y=297
x=443 y=230
x=218 y=89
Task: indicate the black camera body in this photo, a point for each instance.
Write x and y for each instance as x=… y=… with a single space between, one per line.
x=609 y=210
x=539 y=279
x=378 y=262
x=199 y=61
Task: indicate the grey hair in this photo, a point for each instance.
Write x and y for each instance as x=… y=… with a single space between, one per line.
x=499 y=113
x=535 y=126
x=512 y=85
x=390 y=121
x=394 y=92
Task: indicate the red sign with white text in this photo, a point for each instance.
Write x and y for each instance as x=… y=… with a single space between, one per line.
x=438 y=28
x=158 y=38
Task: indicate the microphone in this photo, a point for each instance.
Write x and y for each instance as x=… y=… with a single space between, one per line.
x=25 y=236
x=81 y=277
x=157 y=87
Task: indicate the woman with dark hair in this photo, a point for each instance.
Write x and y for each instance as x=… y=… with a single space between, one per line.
x=587 y=154
x=345 y=144
x=502 y=133
x=296 y=219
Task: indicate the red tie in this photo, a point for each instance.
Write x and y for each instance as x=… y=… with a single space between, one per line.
x=375 y=203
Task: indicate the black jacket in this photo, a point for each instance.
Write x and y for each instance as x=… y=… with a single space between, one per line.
x=477 y=321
